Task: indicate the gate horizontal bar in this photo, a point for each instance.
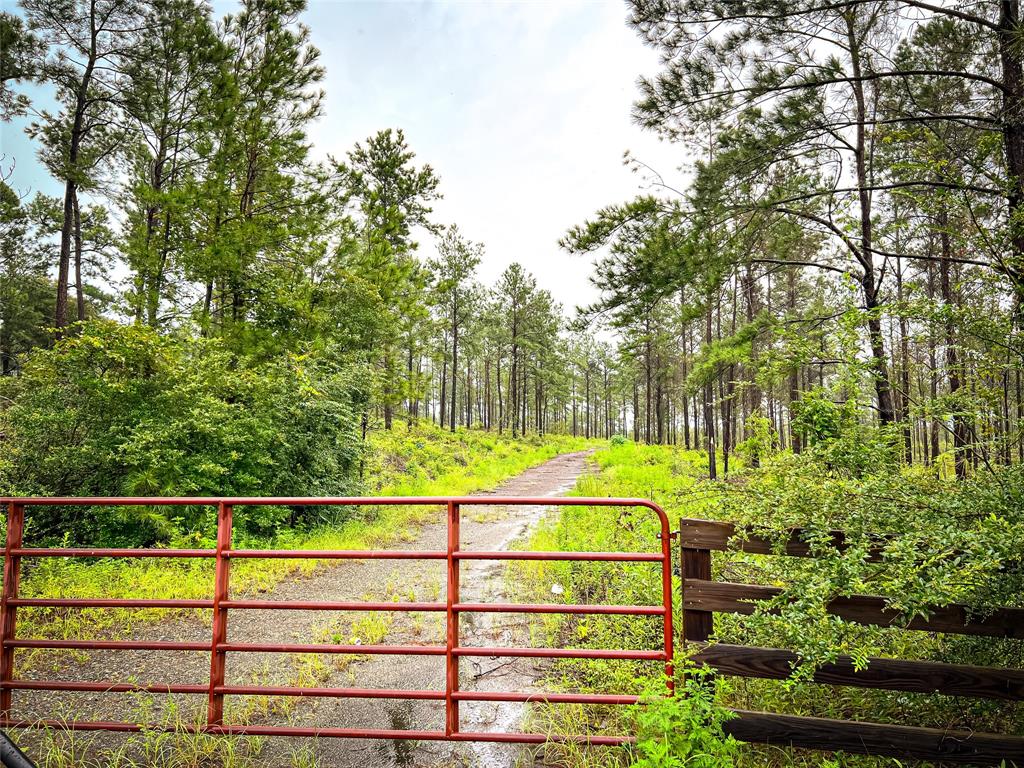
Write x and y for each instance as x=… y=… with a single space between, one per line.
x=562 y=653
x=623 y=610
x=325 y=501
x=104 y=687
x=328 y=605
x=546 y=698
x=109 y=645
x=336 y=554
x=123 y=552
x=337 y=733
x=542 y=738
x=105 y=602
x=636 y=557
x=383 y=650
x=337 y=693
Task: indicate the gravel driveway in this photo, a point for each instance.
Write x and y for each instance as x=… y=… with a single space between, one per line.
x=483 y=528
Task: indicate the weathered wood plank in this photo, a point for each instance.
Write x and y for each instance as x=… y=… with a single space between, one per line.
x=876 y=739
x=698 y=624
x=720 y=536
x=726 y=597
x=888 y=674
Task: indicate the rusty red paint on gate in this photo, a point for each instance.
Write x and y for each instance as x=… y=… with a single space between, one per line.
x=221 y=605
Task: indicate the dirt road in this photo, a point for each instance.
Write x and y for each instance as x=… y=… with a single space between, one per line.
x=483 y=528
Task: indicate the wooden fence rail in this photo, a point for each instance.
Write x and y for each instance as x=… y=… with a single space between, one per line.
x=702 y=597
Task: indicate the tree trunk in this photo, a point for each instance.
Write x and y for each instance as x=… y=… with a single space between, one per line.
x=64 y=263
x=413 y=399
x=795 y=439
x=904 y=398
x=71 y=187
x=636 y=411
x=753 y=405
x=488 y=415
x=1013 y=139
x=709 y=409
x=455 y=364
x=79 y=292
x=883 y=388
x=444 y=390
x=1020 y=415
x=575 y=428
x=686 y=397
x=952 y=355
x=501 y=404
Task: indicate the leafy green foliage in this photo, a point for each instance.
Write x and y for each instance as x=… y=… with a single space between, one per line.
x=120 y=410
x=942 y=543
x=915 y=539
x=24 y=286
x=16 y=63
x=422 y=460
x=685 y=730
x=725 y=352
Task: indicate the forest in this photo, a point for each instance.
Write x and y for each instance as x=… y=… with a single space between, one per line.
x=823 y=328
x=840 y=229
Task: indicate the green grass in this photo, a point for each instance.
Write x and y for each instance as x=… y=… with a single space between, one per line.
x=418 y=461
x=422 y=461
x=675 y=479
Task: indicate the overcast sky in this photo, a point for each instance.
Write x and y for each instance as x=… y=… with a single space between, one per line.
x=522 y=108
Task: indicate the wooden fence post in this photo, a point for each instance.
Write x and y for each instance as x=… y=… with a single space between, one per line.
x=695 y=564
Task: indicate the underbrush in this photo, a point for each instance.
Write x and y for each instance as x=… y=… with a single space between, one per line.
x=948 y=542
x=417 y=461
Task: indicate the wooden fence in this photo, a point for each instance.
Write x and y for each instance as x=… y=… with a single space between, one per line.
x=702 y=597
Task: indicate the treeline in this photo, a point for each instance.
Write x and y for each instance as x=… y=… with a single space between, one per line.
x=847 y=254
x=850 y=249
x=192 y=207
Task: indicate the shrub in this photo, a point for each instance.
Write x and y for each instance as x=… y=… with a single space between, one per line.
x=685 y=729
x=121 y=410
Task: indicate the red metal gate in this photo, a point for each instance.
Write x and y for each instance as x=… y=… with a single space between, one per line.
x=222 y=603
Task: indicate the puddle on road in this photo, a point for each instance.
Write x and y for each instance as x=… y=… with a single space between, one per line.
x=484 y=582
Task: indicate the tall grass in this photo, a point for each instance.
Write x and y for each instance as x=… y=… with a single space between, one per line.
x=418 y=461
x=674 y=478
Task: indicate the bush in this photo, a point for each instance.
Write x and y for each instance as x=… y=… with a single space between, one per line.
x=942 y=542
x=685 y=729
x=121 y=410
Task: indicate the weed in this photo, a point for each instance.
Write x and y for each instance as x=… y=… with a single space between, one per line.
x=304 y=757
x=416 y=461
x=686 y=729
x=371 y=628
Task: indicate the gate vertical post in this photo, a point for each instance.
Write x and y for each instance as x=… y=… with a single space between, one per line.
x=666 y=598
x=218 y=657
x=451 y=724
x=8 y=612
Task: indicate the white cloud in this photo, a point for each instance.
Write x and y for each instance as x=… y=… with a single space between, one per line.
x=522 y=108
